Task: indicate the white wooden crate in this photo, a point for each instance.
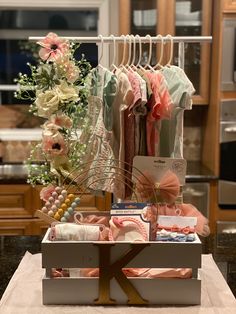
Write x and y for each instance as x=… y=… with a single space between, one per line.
x=113 y=287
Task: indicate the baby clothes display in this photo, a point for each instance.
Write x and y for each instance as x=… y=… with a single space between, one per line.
x=136 y=111
x=132 y=111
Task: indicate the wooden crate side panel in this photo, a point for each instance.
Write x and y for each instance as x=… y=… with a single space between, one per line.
x=155 y=291
x=153 y=254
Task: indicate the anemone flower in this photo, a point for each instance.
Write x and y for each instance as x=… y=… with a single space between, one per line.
x=53 y=47
x=53 y=142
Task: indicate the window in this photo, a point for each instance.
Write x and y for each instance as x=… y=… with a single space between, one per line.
x=15 y=49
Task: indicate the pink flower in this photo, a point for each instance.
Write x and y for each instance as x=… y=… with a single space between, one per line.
x=72 y=72
x=53 y=47
x=46 y=192
x=68 y=68
x=62 y=120
x=53 y=142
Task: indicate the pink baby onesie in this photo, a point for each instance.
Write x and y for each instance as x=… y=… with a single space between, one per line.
x=159 y=107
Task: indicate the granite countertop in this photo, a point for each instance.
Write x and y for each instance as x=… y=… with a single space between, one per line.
x=12 y=249
x=196 y=172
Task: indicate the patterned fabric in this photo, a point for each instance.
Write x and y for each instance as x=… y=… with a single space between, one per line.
x=99 y=154
x=159 y=107
x=181 y=90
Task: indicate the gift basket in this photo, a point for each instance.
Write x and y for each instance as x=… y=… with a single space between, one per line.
x=146 y=249
x=119 y=257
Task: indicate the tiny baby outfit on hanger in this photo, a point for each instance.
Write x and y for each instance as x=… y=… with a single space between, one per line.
x=139 y=111
x=122 y=101
x=181 y=90
x=129 y=130
x=99 y=154
x=159 y=107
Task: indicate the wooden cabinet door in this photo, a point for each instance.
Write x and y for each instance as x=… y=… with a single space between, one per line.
x=15 y=226
x=15 y=201
x=179 y=18
x=141 y=18
x=193 y=18
x=39 y=227
x=229 y=6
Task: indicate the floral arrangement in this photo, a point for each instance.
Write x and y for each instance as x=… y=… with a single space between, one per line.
x=57 y=89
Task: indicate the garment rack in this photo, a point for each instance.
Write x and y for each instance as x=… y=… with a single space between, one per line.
x=145 y=39
x=181 y=40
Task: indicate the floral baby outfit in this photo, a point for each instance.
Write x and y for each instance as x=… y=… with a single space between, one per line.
x=181 y=90
x=99 y=154
x=159 y=107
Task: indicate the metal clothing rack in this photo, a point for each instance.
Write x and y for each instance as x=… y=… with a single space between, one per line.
x=145 y=39
x=181 y=40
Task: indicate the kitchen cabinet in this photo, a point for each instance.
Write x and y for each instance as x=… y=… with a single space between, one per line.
x=15 y=201
x=18 y=203
x=223 y=10
x=179 y=18
x=229 y=6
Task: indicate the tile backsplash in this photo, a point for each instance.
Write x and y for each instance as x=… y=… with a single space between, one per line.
x=192 y=143
x=18 y=116
x=16 y=151
x=19 y=129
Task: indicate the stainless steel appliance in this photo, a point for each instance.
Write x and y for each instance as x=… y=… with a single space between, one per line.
x=197 y=194
x=227 y=179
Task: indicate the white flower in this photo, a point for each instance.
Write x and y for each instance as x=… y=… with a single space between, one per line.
x=66 y=92
x=47 y=103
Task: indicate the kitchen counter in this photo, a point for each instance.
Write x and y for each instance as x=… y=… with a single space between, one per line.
x=197 y=172
x=13 y=173
x=12 y=249
x=16 y=173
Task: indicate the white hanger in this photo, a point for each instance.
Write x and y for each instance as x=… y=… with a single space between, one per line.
x=129 y=51
x=122 y=65
x=129 y=63
x=113 y=65
x=138 y=65
x=171 y=50
x=134 y=51
x=101 y=54
x=124 y=51
x=159 y=65
x=148 y=64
